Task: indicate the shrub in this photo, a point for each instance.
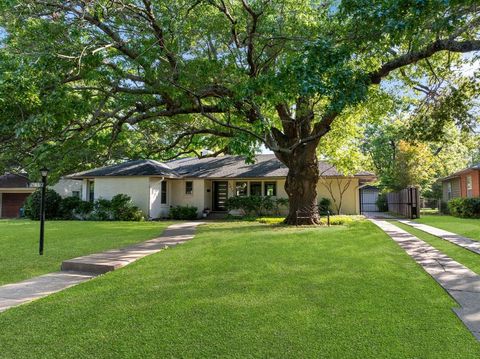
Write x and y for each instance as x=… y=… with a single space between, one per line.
x=268 y=204
x=324 y=205
x=256 y=205
x=68 y=206
x=248 y=204
x=444 y=208
x=382 y=202
x=119 y=208
x=464 y=207
x=183 y=212
x=102 y=211
x=123 y=209
x=52 y=204
x=280 y=203
x=83 y=209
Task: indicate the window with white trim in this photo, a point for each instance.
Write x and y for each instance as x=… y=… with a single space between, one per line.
x=241 y=189
x=188 y=187
x=163 y=193
x=469 y=186
x=256 y=189
x=270 y=188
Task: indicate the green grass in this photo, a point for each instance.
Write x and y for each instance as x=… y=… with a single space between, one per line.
x=19 y=257
x=461 y=255
x=429 y=211
x=249 y=290
x=467 y=227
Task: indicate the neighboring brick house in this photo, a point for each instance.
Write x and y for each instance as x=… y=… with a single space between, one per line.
x=464 y=183
x=14 y=190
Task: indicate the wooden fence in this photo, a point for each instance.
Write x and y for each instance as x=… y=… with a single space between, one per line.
x=405 y=202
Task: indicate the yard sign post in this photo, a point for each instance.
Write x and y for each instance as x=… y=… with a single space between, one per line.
x=44 y=172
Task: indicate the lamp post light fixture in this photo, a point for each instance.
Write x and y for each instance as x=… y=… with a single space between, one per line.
x=44 y=173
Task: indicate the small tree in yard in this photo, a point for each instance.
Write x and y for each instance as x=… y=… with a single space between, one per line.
x=153 y=78
x=336 y=188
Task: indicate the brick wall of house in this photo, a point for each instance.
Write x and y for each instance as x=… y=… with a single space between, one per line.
x=475 y=174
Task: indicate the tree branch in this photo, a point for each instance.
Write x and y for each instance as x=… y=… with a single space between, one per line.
x=413 y=57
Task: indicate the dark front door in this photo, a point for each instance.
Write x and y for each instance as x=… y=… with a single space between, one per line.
x=220 y=194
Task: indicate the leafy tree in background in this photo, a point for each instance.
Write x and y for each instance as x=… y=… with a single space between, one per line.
x=149 y=77
x=401 y=159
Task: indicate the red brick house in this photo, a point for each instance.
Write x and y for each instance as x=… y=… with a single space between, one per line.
x=14 y=190
x=464 y=183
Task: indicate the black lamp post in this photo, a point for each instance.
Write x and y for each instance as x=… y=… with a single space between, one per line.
x=44 y=173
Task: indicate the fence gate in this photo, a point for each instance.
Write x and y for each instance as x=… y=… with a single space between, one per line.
x=368 y=199
x=405 y=202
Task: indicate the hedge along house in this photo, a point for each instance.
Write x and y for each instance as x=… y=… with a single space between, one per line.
x=464 y=183
x=206 y=183
x=14 y=190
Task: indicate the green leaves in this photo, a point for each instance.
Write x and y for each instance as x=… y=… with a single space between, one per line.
x=108 y=80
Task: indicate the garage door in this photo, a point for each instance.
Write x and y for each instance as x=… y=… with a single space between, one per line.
x=368 y=199
x=11 y=204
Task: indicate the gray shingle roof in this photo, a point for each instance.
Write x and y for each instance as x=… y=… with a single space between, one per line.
x=210 y=167
x=235 y=167
x=10 y=180
x=129 y=168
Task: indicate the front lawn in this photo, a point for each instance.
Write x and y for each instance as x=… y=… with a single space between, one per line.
x=250 y=290
x=19 y=257
x=467 y=227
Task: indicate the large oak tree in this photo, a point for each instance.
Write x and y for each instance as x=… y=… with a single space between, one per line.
x=180 y=75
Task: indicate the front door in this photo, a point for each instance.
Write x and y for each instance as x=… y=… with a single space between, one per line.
x=220 y=195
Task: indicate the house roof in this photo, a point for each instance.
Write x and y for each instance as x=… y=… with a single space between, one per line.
x=458 y=173
x=11 y=180
x=209 y=167
x=129 y=168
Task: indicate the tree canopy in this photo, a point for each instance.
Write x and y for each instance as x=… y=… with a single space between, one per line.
x=190 y=73
x=95 y=80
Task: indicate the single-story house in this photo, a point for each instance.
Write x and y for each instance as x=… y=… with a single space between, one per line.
x=464 y=183
x=68 y=188
x=206 y=183
x=14 y=190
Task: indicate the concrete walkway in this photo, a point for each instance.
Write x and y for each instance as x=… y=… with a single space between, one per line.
x=81 y=269
x=379 y=215
x=464 y=242
x=459 y=281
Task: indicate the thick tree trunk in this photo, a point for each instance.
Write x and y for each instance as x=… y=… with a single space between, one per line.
x=301 y=185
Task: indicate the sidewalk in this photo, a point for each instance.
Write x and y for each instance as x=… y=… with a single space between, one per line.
x=454 y=238
x=78 y=270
